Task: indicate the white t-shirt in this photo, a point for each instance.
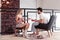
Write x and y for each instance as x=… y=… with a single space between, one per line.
x=42 y=16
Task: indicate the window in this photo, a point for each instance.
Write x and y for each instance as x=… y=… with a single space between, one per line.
x=58 y=21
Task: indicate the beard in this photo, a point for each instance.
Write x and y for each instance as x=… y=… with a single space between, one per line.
x=38 y=13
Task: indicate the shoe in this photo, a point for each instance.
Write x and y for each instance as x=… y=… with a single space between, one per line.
x=40 y=37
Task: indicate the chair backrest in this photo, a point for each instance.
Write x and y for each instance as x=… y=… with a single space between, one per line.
x=51 y=21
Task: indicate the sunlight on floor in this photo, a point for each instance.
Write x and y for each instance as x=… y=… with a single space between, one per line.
x=55 y=36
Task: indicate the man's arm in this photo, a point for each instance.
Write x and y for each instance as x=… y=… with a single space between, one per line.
x=40 y=21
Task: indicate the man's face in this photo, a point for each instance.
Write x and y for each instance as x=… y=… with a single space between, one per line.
x=39 y=12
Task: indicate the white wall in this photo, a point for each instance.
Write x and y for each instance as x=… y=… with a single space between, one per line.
x=28 y=4
x=51 y=4
x=39 y=3
x=31 y=3
x=0 y=16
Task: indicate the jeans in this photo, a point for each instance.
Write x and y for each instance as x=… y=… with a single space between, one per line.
x=33 y=26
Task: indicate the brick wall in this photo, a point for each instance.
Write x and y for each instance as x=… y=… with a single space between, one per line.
x=8 y=18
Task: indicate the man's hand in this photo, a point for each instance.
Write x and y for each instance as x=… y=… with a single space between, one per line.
x=34 y=20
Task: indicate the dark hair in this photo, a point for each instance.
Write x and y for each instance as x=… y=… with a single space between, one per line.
x=39 y=9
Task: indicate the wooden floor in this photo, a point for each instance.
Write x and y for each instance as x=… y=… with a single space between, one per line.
x=55 y=36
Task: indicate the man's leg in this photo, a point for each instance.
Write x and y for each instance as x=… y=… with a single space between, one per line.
x=37 y=31
x=39 y=36
x=33 y=27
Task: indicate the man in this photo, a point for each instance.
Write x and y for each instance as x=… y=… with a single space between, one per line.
x=41 y=20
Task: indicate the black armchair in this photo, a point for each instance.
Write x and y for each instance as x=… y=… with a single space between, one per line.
x=48 y=26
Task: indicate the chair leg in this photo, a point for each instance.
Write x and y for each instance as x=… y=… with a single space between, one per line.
x=16 y=32
x=51 y=32
x=48 y=33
